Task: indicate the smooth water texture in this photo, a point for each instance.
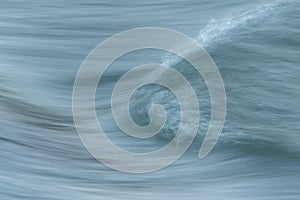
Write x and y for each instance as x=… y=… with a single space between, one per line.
x=256 y=46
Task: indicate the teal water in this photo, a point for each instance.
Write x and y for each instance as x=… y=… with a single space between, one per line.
x=256 y=46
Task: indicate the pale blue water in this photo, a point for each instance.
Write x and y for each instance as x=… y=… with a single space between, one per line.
x=256 y=46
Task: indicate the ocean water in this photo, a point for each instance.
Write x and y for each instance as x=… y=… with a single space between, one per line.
x=256 y=46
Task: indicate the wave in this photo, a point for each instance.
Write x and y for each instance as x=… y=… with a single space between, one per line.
x=214 y=34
